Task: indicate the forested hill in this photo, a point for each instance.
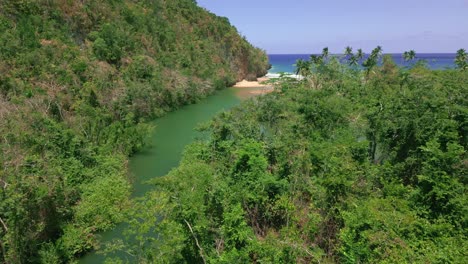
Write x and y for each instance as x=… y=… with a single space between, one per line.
x=77 y=81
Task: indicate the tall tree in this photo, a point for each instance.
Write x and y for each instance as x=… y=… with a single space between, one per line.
x=348 y=51
x=378 y=51
x=406 y=56
x=325 y=52
x=353 y=60
x=369 y=63
x=461 y=59
x=373 y=59
x=303 y=67
x=409 y=55
x=316 y=59
x=359 y=54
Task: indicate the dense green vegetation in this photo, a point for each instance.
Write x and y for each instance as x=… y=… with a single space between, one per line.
x=78 y=79
x=343 y=166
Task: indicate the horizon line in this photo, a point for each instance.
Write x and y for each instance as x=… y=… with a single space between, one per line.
x=385 y=53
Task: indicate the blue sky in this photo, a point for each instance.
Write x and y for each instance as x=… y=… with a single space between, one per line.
x=306 y=26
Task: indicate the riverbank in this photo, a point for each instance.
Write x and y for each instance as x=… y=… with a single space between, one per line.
x=172 y=133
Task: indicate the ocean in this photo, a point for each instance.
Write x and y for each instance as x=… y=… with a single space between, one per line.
x=436 y=61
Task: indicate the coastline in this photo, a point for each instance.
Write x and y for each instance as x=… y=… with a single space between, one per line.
x=263 y=85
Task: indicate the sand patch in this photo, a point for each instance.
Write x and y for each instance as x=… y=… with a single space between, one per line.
x=260 y=83
x=247 y=89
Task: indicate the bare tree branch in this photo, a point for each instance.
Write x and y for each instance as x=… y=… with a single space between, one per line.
x=4 y=225
x=196 y=241
x=5 y=184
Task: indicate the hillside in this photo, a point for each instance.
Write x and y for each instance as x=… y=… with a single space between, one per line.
x=78 y=80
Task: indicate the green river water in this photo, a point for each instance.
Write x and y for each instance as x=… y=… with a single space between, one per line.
x=172 y=133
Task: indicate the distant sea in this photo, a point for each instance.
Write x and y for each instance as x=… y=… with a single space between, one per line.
x=435 y=61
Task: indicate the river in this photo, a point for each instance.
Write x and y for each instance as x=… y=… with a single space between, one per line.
x=172 y=133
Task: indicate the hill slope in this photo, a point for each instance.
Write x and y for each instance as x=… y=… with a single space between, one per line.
x=77 y=81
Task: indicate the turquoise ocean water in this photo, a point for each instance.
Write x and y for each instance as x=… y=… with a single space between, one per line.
x=435 y=61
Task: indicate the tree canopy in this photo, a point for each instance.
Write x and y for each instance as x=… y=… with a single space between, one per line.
x=341 y=167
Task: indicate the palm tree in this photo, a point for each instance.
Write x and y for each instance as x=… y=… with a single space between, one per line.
x=374 y=56
x=378 y=51
x=303 y=67
x=370 y=63
x=348 y=51
x=372 y=60
x=461 y=59
x=462 y=53
x=409 y=55
x=406 y=56
x=359 y=54
x=325 y=52
x=353 y=60
x=316 y=59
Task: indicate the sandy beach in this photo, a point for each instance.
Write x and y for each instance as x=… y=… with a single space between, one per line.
x=250 y=88
x=259 y=83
